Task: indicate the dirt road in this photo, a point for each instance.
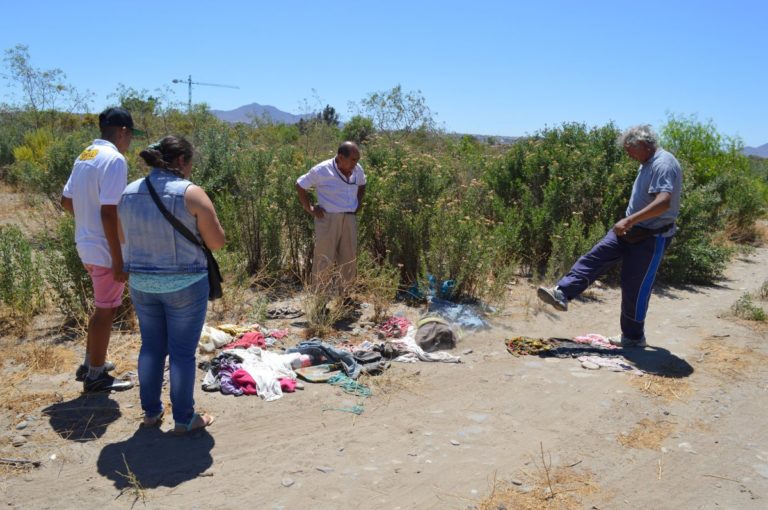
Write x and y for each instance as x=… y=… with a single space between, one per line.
x=691 y=433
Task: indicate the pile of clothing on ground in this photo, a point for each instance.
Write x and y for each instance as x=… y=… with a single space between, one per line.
x=592 y=350
x=254 y=360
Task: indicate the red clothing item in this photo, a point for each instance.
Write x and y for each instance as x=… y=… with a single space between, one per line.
x=244 y=380
x=247 y=340
x=288 y=385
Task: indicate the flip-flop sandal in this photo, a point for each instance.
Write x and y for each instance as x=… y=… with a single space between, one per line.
x=198 y=421
x=153 y=421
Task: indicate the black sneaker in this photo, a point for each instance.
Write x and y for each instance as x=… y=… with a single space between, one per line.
x=82 y=370
x=105 y=382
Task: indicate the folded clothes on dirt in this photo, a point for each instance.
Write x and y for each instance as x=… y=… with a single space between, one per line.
x=595 y=340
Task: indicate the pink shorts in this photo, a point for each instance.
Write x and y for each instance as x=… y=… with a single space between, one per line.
x=107 y=293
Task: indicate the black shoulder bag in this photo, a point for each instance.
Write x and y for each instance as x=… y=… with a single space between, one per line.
x=214 y=275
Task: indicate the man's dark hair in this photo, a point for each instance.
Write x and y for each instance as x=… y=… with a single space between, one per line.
x=347 y=148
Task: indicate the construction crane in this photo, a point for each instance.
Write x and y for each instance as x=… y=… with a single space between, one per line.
x=189 y=82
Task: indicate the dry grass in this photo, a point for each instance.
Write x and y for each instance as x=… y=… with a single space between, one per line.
x=569 y=486
x=134 y=488
x=728 y=361
x=32 y=359
x=124 y=350
x=17 y=401
x=240 y=302
x=667 y=388
x=377 y=285
x=41 y=357
x=393 y=381
x=647 y=434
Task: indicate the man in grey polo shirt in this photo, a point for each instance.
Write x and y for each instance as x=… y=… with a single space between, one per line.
x=639 y=239
x=340 y=185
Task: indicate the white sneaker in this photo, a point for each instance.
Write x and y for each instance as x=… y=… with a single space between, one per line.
x=622 y=341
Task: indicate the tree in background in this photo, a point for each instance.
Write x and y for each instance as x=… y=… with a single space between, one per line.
x=359 y=129
x=329 y=116
x=398 y=114
x=43 y=91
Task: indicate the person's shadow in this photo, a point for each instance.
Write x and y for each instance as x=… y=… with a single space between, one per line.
x=651 y=360
x=658 y=361
x=152 y=458
x=83 y=419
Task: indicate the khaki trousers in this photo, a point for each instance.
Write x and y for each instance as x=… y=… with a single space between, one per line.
x=335 y=242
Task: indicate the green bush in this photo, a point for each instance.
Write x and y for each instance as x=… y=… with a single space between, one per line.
x=66 y=276
x=21 y=281
x=435 y=204
x=546 y=181
x=745 y=308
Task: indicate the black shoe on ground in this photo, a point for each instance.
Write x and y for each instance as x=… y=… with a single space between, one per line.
x=82 y=370
x=105 y=382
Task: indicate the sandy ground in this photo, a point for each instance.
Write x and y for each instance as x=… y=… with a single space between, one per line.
x=689 y=434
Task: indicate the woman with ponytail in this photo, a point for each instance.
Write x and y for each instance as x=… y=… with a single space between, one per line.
x=168 y=276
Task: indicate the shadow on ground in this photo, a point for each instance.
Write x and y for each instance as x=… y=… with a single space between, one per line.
x=153 y=458
x=651 y=360
x=658 y=361
x=83 y=419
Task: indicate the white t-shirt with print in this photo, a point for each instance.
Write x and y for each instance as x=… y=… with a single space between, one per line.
x=98 y=178
x=335 y=193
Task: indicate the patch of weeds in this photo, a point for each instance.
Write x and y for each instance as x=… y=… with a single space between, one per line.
x=745 y=308
x=556 y=487
x=134 y=487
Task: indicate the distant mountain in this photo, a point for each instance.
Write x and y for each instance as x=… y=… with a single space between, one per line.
x=246 y=114
x=761 y=152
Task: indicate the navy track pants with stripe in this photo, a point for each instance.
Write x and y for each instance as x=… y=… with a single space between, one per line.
x=640 y=263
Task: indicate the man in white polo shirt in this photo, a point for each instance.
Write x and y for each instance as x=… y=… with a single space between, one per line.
x=92 y=192
x=340 y=185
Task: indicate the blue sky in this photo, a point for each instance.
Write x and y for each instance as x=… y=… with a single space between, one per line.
x=484 y=67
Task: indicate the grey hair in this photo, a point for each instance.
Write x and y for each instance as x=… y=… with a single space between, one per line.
x=639 y=134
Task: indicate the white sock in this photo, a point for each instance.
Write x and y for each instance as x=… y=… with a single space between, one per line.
x=87 y=361
x=95 y=372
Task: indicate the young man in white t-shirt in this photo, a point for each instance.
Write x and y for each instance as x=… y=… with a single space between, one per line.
x=92 y=192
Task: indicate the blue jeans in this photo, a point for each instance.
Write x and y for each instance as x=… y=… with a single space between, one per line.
x=170 y=325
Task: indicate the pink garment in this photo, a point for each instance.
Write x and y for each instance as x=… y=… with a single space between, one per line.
x=595 y=340
x=107 y=292
x=243 y=380
x=288 y=385
x=394 y=327
x=247 y=340
x=277 y=334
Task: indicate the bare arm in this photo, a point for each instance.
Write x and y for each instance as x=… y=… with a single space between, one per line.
x=316 y=211
x=111 y=231
x=66 y=203
x=661 y=203
x=200 y=206
x=360 y=195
